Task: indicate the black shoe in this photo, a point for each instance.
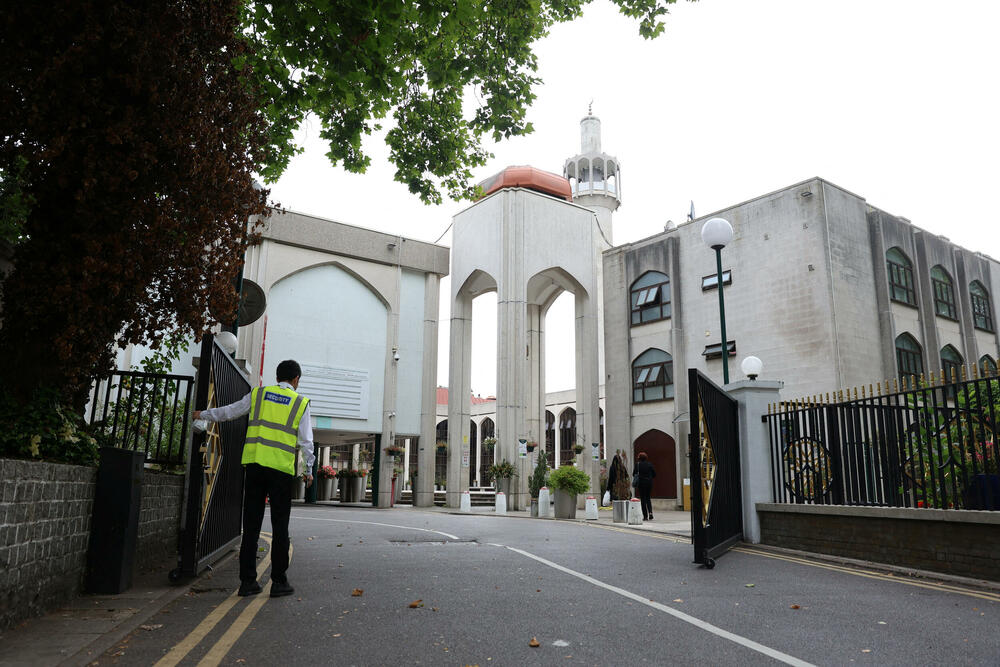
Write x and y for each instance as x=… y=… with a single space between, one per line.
x=249 y=588
x=650 y=518
x=281 y=589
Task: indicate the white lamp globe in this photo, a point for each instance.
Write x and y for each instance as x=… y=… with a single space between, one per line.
x=751 y=367
x=717 y=233
x=227 y=341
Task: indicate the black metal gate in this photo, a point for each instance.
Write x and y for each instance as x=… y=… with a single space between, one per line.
x=716 y=496
x=211 y=523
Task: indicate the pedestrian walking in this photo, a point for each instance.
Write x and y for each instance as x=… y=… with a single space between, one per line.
x=644 y=474
x=279 y=422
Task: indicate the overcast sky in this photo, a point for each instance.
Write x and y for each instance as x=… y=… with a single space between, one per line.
x=894 y=100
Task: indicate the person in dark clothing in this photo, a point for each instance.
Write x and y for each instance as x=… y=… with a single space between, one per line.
x=618 y=482
x=644 y=473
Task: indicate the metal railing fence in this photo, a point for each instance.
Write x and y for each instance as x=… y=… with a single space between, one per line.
x=931 y=444
x=146 y=412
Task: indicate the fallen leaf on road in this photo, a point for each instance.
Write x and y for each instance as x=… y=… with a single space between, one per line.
x=793 y=606
x=866 y=650
x=241 y=660
x=534 y=643
x=678 y=600
x=416 y=603
x=357 y=592
x=337 y=635
x=882 y=623
x=157 y=626
x=434 y=608
x=750 y=585
x=340 y=545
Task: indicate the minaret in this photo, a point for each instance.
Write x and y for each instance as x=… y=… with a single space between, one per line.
x=595 y=176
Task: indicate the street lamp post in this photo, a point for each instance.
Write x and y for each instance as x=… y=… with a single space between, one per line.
x=717 y=233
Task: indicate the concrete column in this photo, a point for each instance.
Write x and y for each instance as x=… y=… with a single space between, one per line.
x=423 y=493
x=459 y=399
x=587 y=415
x=755 y=448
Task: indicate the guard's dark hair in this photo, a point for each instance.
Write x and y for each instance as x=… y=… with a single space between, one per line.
x=642 y=456
x=288 y=370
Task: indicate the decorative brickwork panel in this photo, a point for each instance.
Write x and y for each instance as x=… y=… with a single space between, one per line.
x=951 y=547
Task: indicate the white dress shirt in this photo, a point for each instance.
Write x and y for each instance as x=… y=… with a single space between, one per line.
x=304 y=438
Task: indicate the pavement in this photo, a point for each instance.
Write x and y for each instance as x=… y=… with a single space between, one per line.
x=90 y=625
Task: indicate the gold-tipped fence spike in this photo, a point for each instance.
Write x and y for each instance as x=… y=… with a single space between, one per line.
x=895 y=385
x=975 y=371
x=964 y=374
x=863 y=392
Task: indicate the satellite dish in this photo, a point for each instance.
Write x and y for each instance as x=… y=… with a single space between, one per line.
x=252 y=303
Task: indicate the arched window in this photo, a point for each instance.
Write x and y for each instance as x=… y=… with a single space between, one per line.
x=982 y=314
x=550 y=438
x=944 y=293
x=987 y=366
x=908 y=359
x=652 y=376
x=951 y=363
x=900 y=277
x=650 y=298
x=567 y=435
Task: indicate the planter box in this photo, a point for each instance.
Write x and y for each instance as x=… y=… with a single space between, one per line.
x=503 y=484
x=534 y=507
x=325 y=489
x=565 y=505
x=345 y=488
x=300 y=488
x=358 y=489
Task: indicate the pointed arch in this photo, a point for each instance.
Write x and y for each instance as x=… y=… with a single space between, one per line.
x=652 y=376
x=944 y=293
x=649 y=298
x=982 y=312
x=662 y=453
x=909 y=360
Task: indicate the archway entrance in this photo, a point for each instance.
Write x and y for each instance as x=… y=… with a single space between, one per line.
x=662 y=453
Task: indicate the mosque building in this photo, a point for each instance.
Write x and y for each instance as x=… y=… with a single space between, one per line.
x=827 y=290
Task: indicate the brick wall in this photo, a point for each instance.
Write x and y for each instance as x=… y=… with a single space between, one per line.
x=45 y=512
x=964 y=543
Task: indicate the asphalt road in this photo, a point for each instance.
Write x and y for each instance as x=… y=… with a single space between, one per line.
x=590 y=595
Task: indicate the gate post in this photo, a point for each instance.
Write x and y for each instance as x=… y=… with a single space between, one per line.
x=755 y=448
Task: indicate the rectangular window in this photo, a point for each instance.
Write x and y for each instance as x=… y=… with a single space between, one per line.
x=944 y=299
x=712 y=282
x=901 y=284
x=981 y=314
x=715 y=351
x=643 y=374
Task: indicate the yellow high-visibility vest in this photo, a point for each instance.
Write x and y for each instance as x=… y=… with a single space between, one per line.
x=275 y=413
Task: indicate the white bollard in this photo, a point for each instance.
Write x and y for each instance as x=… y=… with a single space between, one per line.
x=591 y=508
x=544 y=503
x=501 y=503
x=634 y=512
x=465 y=504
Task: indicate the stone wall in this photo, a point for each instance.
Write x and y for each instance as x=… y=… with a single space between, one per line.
x=45 y=512
x=958 y=542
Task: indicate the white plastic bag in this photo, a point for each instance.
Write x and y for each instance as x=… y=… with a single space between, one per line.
x=606 y=500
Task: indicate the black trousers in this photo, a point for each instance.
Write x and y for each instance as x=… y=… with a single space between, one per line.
x=644 y=489
x=262 y=482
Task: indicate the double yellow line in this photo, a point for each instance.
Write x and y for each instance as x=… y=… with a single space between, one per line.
x=226 y=642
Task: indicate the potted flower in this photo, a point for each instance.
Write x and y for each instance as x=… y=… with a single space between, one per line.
x=442 y=447
x=578 y=448
x=536 y=482
x=326 y=475
x=568 y=482
x=501 y=474
x=395 y=451
x=489 y=442
x=531 y=446
x=366 y=455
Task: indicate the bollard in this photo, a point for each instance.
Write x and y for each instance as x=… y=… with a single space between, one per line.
x=501 y=503
x=465 y=503
x=634 y=512
x=544 y=503
x=591 y=508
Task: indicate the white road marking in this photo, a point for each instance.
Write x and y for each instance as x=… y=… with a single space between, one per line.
x=374 y=523
x=698 y=623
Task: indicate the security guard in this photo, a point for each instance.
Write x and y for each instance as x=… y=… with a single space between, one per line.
x=279 y=421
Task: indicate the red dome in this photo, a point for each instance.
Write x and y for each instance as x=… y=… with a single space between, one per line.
x=530 y=178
